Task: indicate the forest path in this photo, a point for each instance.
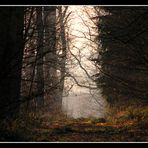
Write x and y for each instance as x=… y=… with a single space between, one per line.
x=91 y=130
x=125 y=126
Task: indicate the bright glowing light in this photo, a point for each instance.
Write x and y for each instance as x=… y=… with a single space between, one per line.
x=82 y=45
x=80 y=102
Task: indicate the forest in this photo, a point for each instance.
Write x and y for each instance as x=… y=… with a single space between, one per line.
x=73 y=73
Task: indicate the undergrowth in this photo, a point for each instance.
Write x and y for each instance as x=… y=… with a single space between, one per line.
x=124 y=123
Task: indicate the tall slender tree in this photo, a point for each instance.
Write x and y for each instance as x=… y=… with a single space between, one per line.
x=62 y=14
x=39 y=66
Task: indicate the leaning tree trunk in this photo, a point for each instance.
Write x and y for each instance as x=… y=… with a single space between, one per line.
x=11 y=54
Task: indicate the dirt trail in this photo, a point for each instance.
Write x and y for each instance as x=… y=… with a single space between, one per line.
x=125 y=126
x=89 y=130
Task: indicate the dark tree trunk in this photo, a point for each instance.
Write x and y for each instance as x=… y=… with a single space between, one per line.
x=11 y=54
x=50 y=50
x=40 y=72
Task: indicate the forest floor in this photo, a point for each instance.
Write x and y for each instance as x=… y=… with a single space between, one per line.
x=130 y=125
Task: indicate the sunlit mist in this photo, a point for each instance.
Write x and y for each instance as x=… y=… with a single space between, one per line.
x=82 y=101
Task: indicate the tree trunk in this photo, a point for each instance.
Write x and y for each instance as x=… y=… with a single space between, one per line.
x=64 y=53
x=11 y=54
x=50 y=50
x=40 y=72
